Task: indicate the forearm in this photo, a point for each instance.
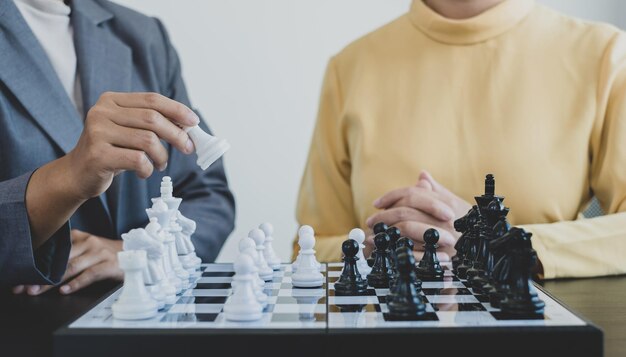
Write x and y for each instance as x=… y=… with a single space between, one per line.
x=50 y=201
x=582 y=248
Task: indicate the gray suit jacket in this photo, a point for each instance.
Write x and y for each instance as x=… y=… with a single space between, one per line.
x=118 y=50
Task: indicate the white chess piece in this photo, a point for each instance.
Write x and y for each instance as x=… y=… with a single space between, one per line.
x=359 y=236
x=139 y=239
x=165 y=285
x=247 y=245
x=265 y=272
x=190 y=260
x=160 y=212
x=172 y=226
x=134 y=302
x=270 y=255
x=181 y=227
x=303 y=231
x=208 y=148
x=258 y=283
x=243 y=305
x=308 y=274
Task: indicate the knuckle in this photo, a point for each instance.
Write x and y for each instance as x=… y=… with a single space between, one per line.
x=151 y=117
x=152 y=99
x=149 y=140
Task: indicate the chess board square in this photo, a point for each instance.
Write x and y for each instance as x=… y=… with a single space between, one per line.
x=196 y=308
x=189 y=317
x=499 y=315
x=210 y=299
x=451 y=299
x=368 y=292
x=293 y=317
x=300 y=308
x=447 y=291
x=443 y=284
x=207 y=292
x=350 y=308
x=352 y=300
x=429 y=316
x=212 y=286
x=218 y=274
x=458 y=307
x=465 y=318
x=218 y=267
x=320 y=292
x=214 y=279
x=301 y=300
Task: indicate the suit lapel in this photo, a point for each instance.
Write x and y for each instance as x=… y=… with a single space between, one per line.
x=104 y=64
x=28 y=74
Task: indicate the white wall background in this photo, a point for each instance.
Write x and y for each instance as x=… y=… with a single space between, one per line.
x=254 y=69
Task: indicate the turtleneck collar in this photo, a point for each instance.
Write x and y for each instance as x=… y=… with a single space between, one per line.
x=489 y=24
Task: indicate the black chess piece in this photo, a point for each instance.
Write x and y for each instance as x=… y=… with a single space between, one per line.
x=407 y=243
x=500 y=245
x=380 y=227
x=394 y=234
x=405 y=303
x=484 y=262
x=429 y=268
x=350 y=282
x=522 y=299
x=464 y=225
x=381 y=271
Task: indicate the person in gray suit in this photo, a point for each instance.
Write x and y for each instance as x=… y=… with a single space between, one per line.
x=92 y=102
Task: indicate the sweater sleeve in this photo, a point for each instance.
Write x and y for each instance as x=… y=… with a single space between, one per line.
x=596 y=246
x=325 y=199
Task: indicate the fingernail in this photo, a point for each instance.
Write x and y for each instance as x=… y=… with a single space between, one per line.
x=18 y=289
x=65 y=289
x=377 y=203
x=194 y=118
x=368 y=221
x=162 y=168
x=33 y=289
x=189 y=146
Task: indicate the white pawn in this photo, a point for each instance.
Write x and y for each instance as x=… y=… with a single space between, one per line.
x=303 y=231
x=246 y=244
x=134 y=302
x=258 y=283
x=265 y=272
x=208 y=147
x=270 y=255
x=308 y=274
x=359 y=236
x=139 y=239
x=160 y=213
x=243 y=305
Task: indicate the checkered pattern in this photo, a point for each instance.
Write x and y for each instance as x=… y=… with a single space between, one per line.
x=450 y=303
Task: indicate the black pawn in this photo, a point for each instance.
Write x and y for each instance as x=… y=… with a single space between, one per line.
x=405 y=304
x=380 y=227
x=381 y=271
x=350 y=282
x=429 y=268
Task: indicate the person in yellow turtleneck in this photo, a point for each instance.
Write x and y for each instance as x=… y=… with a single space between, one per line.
x=413 y=115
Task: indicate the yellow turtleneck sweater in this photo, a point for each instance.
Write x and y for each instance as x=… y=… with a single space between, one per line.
x=520 y=91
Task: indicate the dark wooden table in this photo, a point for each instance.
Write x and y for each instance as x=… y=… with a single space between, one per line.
x=27 y=323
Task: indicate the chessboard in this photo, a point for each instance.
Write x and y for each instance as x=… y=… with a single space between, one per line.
x=317 y=322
